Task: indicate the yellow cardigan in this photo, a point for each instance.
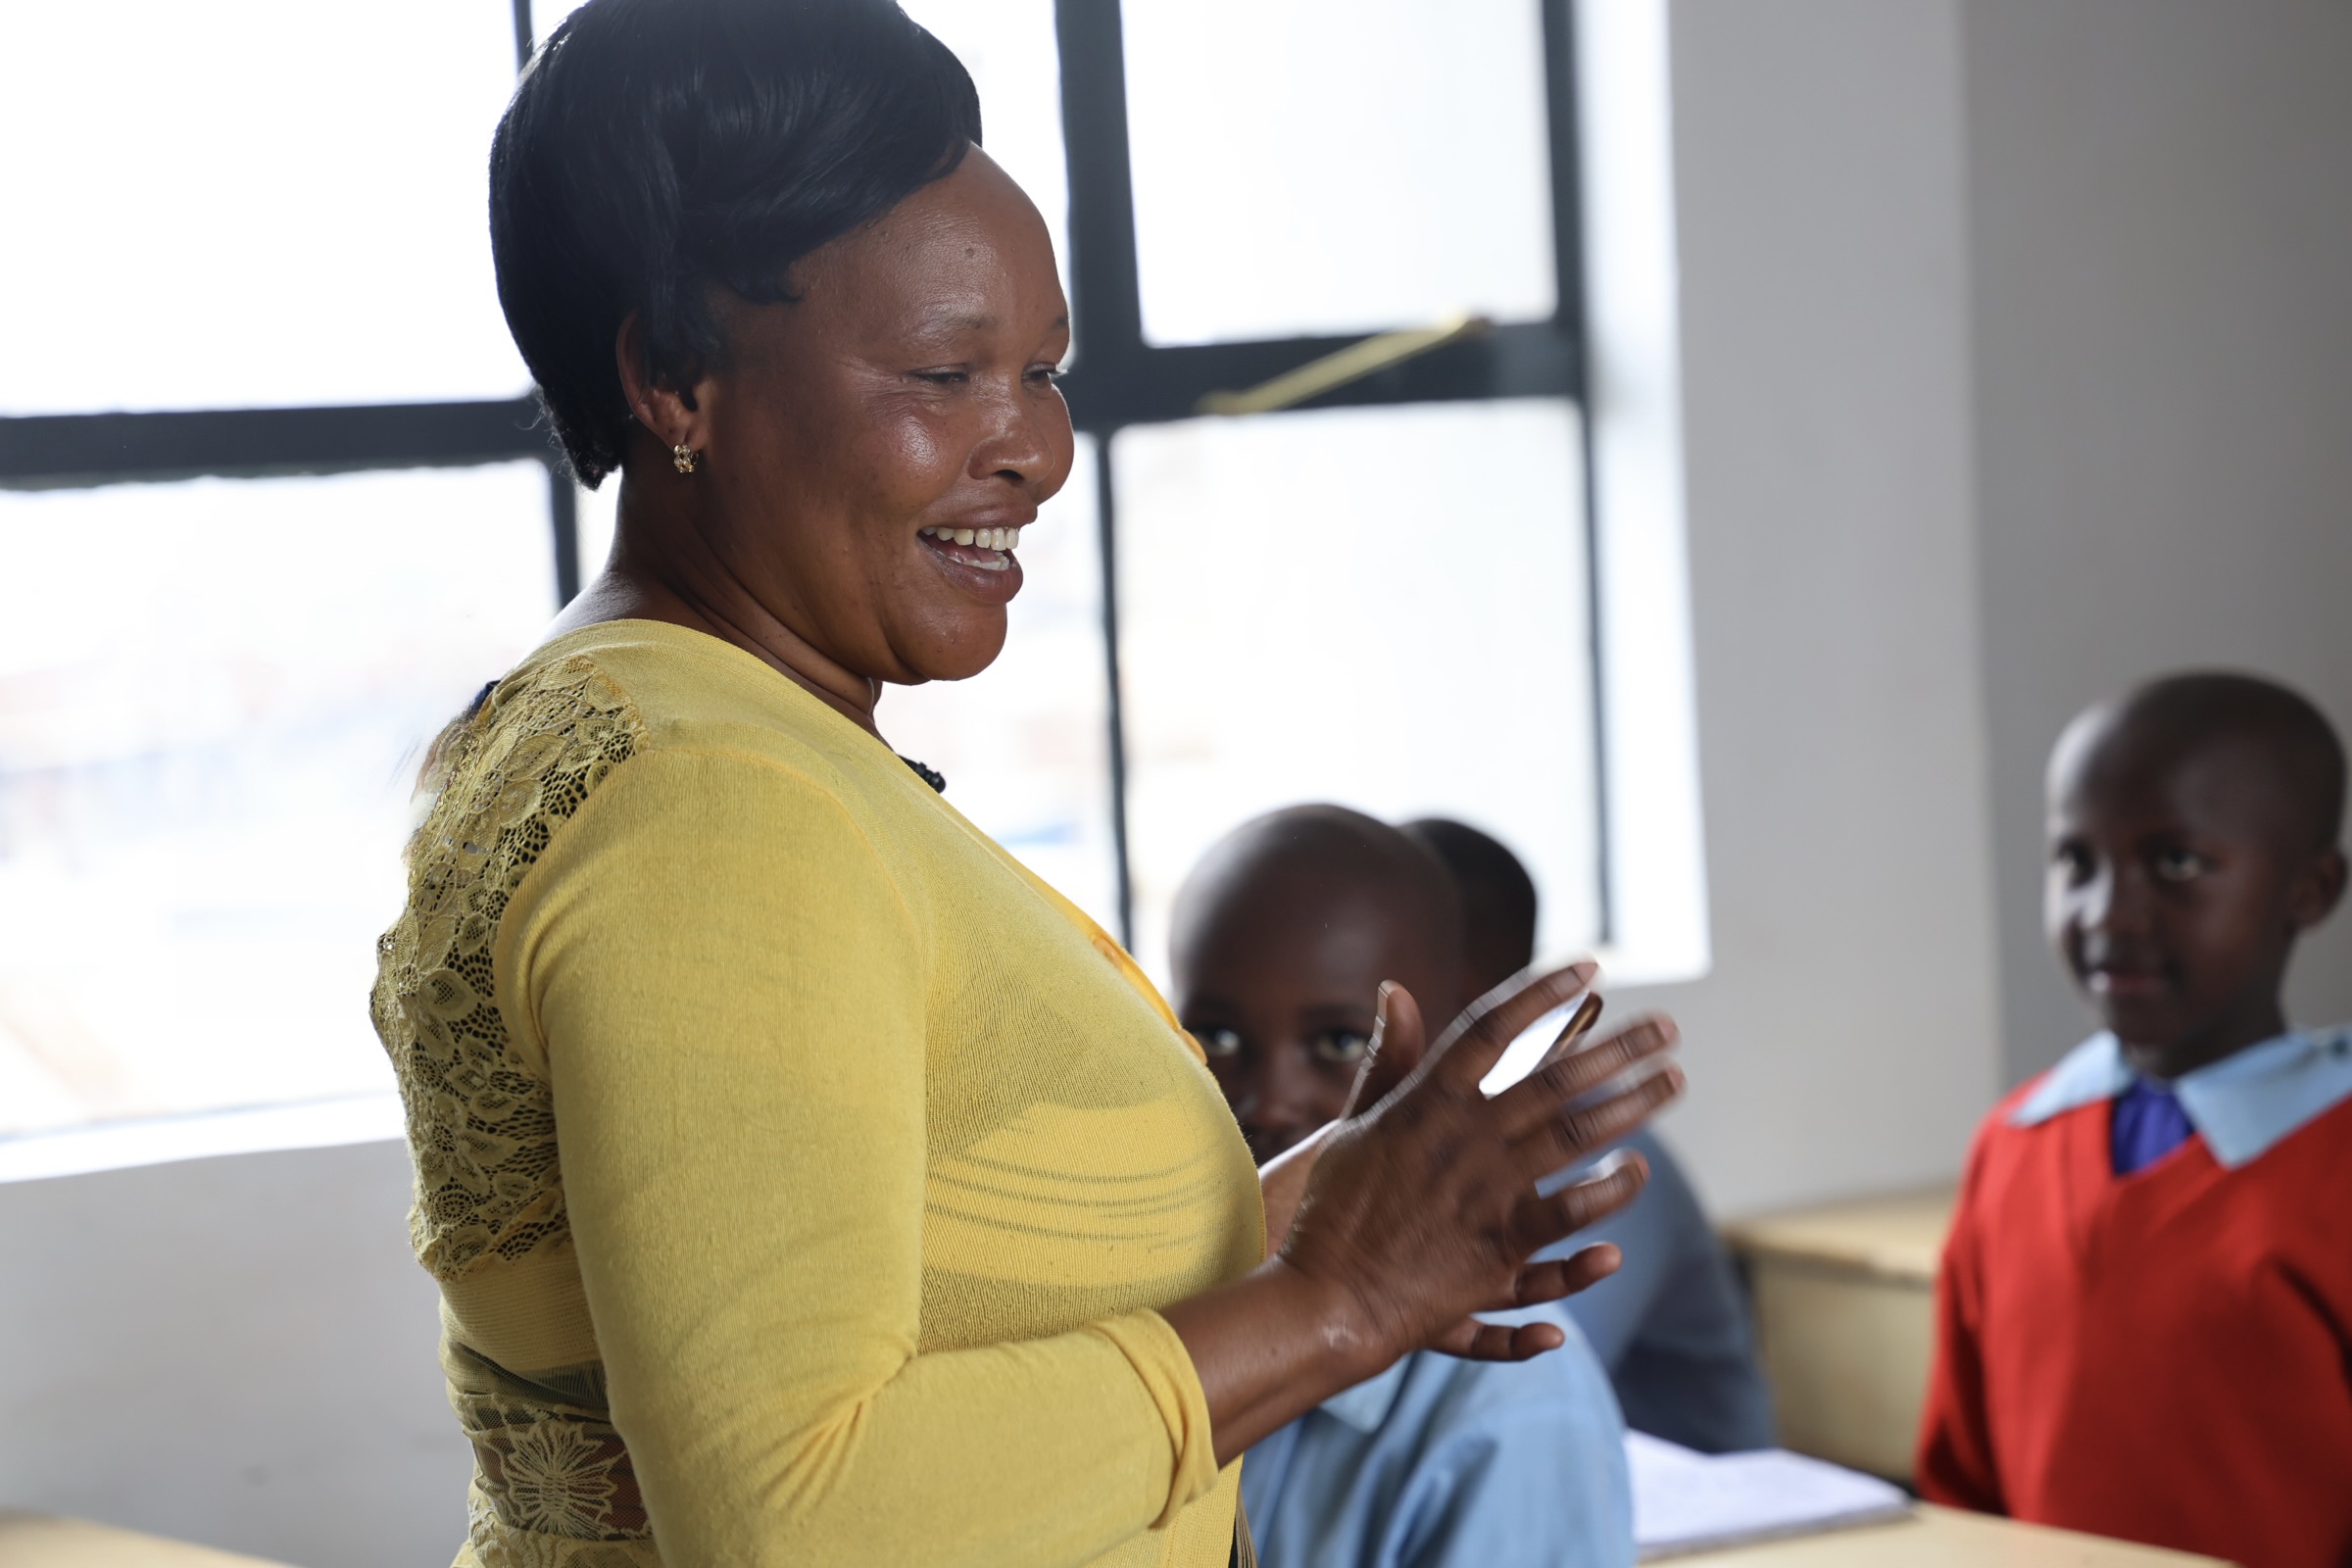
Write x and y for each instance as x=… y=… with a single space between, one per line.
x=800 y=1173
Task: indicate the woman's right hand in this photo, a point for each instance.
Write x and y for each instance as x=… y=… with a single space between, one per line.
x=1423 y=1209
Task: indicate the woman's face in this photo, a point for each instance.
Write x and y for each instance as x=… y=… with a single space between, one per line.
x=908 y=394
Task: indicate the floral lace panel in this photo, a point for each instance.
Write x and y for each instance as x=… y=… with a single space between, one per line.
x=481 y=1126
x=547 y=1459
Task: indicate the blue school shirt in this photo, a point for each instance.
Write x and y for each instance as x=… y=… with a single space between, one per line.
x=1445 y=1463
x=2241 y=1104
x=1671 y=1325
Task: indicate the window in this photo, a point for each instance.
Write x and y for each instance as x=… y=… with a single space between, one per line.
x=1306 y=616
x=257 y=545
x=1269 y=203
x=203 y=787
x=1252 y=189
x=211 y=698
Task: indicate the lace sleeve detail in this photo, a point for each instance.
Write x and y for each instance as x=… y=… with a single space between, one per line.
x=481 y=1122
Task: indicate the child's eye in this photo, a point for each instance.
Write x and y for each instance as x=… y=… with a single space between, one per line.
x=2179 y=865
x=2072 y=858
x=1220 y=1042
x=1340 y=1045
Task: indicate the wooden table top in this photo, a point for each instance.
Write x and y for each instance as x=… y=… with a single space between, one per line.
x=1946 y=1538
x=1898 y=1237
x=37 y=1541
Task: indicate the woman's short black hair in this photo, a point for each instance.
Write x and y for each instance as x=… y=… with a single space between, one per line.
x=656 y=148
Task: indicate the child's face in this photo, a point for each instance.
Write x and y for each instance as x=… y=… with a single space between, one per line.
x=2174 y=891
x=1279 y=987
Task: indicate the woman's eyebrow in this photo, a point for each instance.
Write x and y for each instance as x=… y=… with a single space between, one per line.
x=949 y=321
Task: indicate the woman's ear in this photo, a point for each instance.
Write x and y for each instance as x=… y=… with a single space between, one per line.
x=672 y=416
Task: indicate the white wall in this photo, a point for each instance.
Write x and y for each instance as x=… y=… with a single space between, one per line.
x=2162 y=250
x=1844 y=1039
x=238 y=1351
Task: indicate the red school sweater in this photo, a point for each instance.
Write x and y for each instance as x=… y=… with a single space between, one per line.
x=2164 y=1356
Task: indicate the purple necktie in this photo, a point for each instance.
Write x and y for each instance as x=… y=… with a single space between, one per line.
x=2149 y=1124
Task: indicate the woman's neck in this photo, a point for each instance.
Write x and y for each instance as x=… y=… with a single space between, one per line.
x=686 y=584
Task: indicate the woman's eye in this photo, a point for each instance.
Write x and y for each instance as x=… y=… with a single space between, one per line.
x=1340 y=1045
x=1045 y=375
x=2179 y=865
x=943 y=377
x=2073 y=858
x=1220 y=1042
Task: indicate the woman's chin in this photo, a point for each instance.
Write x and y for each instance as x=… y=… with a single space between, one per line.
x=953 y=647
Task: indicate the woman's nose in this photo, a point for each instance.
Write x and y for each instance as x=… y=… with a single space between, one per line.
x=1027 y=444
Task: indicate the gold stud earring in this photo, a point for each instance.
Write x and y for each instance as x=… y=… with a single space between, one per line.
x=683 y=459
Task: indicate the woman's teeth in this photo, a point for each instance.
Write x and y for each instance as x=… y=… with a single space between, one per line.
x=985 y=538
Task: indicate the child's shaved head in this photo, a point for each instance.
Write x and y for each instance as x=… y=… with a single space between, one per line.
x=2283 y=737
x=1498 y=901
x=1282 y=936
x=2193 y=825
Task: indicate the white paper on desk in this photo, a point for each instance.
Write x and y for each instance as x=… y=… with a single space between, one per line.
x=1689 y=1501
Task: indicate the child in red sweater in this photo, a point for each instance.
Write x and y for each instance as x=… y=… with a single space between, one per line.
x=2144 y=1316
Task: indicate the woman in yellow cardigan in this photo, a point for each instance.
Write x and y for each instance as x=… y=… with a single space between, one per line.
x=806 y=1182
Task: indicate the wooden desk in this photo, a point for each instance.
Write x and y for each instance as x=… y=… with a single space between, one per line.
x=1844 y=1298
x=1942 y=1538
x=37 y=1540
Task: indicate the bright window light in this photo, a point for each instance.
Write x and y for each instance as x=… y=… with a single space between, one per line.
x=251 y=203
x=1337 y=165
x=212 y=697
x=1025 y=745
x=1383 y=608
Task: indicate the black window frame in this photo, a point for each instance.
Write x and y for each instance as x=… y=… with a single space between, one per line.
x=1118 y=380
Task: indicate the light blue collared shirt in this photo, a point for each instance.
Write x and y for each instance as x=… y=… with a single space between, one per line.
x=1671 y=1324
x=1444 y=1463
x=2241 y=1104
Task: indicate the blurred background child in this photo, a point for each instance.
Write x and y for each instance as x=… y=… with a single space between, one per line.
x=2145 y=1309
x=1671 y=1325
x=1281 y=937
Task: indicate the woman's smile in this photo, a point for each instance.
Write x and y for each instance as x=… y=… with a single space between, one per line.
x=978 y=561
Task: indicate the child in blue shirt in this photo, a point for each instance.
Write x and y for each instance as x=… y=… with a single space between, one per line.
x=1671 y=1325
x=1282 y=938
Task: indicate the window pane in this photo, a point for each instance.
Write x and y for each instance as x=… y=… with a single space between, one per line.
x=1009 y=47
x=251 y=203
x=204 y=790
x=1303 y=617
x=1337 y=165
x=1024 y=744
